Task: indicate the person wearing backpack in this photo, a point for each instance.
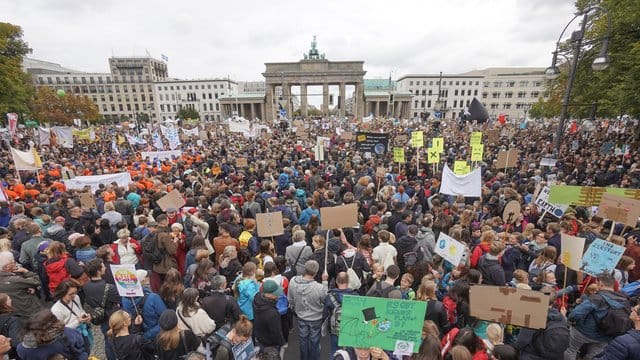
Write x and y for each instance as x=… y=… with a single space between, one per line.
x=266 y=322
x=354 y=264
x=548 y=343
x=409 y=251
x=598 y=319
x=386 y=288
x=625 y=346
x=333 y=306
x=489 y=266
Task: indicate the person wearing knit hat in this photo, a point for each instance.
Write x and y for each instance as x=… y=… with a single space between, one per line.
x=173 y=343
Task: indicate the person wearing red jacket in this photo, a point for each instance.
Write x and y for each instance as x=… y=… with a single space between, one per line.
x=127 y=250
x=485 y=244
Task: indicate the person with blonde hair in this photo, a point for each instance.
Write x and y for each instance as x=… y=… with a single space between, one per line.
x=123 y=343
x=192 y=317
x=229 y=335
x=495 y=336
x=436 y=311
x=545 y=262
x=172 y=342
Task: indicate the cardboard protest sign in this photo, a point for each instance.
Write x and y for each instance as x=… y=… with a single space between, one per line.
x=269 y=224
x=390 y=324
x=619 y=209
x=347 y=135
x=241 y=162
x=433 y=156
x=542 y=201
x=493 y=135
x=302 y=133
x=572 y=249
x=477 y=151
x=476 y=138
x=450 y=249
x=376 y=143
x=401 y=140
x=244 y=350
x=460 y=167
x=172 y=200
x=398 y=155
x=511 y=212
x=381 y=172
x=203 y=135
x=339 y=216
x=126 y=280
x=548 y=162
x=507 y=305
x=87 y=201
x=417 y=139
x=601 y=257
x=438 y=144
x=507 y=159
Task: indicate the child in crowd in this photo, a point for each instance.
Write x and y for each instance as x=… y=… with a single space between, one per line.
x=405 y=287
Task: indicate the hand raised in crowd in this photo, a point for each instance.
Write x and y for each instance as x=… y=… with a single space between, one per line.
x=138 y=320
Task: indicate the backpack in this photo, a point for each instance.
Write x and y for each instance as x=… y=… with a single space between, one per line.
x=301 y=197
x=412 y=257
x=382 y=292
x=336 y=314
x=282 y=304
x=616 y=321
x=534 y=272
x=99 y=313
x=551 y=342
x=150 y=249
x=292 y=205
x=217 y=339
x=354 y=279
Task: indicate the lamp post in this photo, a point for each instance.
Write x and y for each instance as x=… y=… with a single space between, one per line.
x=600 y=63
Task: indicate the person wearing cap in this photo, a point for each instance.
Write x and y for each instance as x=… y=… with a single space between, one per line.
x=150 y=306
x=172 y=342
x=267 y=326
x=20 y=284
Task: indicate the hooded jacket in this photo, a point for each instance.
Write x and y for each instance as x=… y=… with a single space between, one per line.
x=266 y=323
x=16 y=285
x=306 y=297
x=624 y=347
x=492 y=272
x=584 y=315
x=153 y=308
x=477 y=253
x=525 y=340
x=247 y=290
x=69 y=343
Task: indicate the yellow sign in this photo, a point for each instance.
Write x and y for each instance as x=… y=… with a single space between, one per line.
x=460 y=167
x=438 y=144
x=476 y=138
x=362 y=138
x=417 y=139
x=433 y=156
x=476 y=152
x=398 y=155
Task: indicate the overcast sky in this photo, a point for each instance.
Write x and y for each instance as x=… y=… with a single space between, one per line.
x=206 y=39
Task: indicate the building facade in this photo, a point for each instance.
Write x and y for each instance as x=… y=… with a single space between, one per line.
x=200 y=95
x=509 y=91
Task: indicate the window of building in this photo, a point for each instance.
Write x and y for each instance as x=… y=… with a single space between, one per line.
x=455 y=92
x=143 y=97
x=161 y=107
x=84 y=80
x=485 y=84
x=494 y=105
x=174 y=108
x=430 y=92
x=462 y=92
x=144 y=106
x=518 y=106
x=422 y=103
x=497 y=84
x=506 y=106
x=209 y=96
x=524 y=83
x=125 y=88
x=113 y=107
x=217 y=107
x=430 y=82
x=455 y=103
x=535 y=94
x=171 y=87
x=216 y=86
x=484 y=95
x=110 y=97
x=537 y=83
x=495 y=95
x=457 y=84
x=104 y=107
x=209 y=86
x=128 y=107
x=508 y=94
x=429 y=104
x=136 y=107
x=415 y=104
x=521 y=94
x=511 y=83
x=120 y=106
x=410 y=83
x=160 y=96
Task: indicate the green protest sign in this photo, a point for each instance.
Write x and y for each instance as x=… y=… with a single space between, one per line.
x=390 y=324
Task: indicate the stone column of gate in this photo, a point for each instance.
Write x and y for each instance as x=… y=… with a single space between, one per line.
x=360 y=100
x=303 y=100
x=377 y=108
x=253 y=111
x=342 y=101
x=268 y=114
x=286 y=95
x=325 y=99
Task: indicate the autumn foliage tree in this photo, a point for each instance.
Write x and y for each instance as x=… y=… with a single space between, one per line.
x=49 y=107
x=16 y=90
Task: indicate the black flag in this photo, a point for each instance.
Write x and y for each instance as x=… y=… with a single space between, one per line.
x=477 y=111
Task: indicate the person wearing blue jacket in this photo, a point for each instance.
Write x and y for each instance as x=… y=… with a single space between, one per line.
x=625 y=346
x=150 y=306
x=584 y=319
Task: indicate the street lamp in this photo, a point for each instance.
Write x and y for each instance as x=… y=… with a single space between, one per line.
x=600 y=63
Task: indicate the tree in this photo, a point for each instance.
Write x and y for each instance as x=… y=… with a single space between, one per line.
x=17 y=89
x=49 y=107
x=188 y=113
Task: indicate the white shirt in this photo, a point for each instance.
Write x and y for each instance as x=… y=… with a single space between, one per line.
x=127 y=253
x=384 y=254
x=65 y=315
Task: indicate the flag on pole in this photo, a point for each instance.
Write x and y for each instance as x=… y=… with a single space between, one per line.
x=37 y=159
x=157 y=141
x=114 y=147
x=26 y=160
x=165 y=58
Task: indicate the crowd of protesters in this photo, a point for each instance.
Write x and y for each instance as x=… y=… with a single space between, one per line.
x=210 y=282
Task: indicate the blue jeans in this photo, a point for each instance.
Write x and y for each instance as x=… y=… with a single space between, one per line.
x=334 y=345
x=309 y=339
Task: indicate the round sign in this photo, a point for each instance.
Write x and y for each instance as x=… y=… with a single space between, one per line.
x=126 y=279
x=511 y=212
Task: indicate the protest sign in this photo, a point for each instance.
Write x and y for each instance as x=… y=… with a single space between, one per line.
x=542 y=201
x=269 y=224
x=372 y=142
x=438 y=144
x=390 y=324
x=548 y=162
x=87 y=201
x=398 y=155
x=339 y=216
x=127 y=283
x=93 y=181
x=401 y=140
x=241 y=162
x=380 y=171
x=460 y=167
x=476 y=138
x=619 y=209
x=493 y=135
x=507 y=305
x=511 y=211
x=172 y=200
x=161 y=155
x=572 y=249
x=507 y=159
x=601 y=258
x=417 y=139
x=433 y=156
x=450 y=249
x=347 y=135
x=477 y=151
x=587 y=195
x=203 y=135
x=244 y=350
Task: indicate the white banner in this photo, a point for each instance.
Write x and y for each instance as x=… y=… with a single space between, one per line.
x=542 y=201
x=25 y=160
x=450 y=249
x=64 y=136
x=172 y=137
x=193 y=132
x=469 y=185
x=126 y=280
x=79 y=182
x=572 y=249
x=160 y=155
x=45 y=136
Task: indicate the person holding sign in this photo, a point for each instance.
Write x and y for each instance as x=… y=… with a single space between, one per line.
x=122 y=341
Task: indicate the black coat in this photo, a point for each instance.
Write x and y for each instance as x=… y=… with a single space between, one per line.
x=267 y=327
x=492 y=272
x=222 y=308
